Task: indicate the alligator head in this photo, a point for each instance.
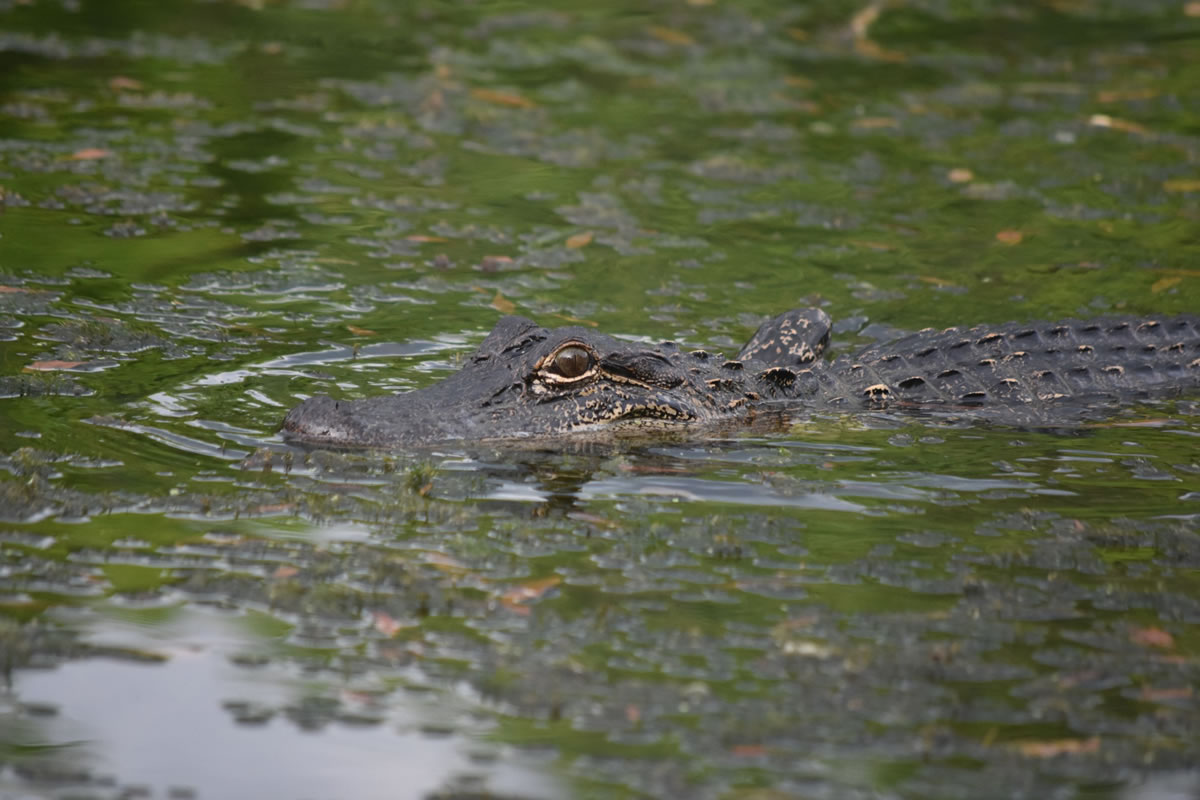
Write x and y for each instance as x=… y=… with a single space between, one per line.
x=526 y=381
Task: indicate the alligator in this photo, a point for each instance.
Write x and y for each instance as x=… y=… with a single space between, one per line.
x=526 y=382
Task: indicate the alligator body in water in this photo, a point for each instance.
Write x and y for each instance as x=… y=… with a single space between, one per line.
x=530 y=382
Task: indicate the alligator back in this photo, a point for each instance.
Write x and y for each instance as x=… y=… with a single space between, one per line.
x=1018 y=373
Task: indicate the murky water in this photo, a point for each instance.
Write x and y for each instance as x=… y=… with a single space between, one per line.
x=212 y=210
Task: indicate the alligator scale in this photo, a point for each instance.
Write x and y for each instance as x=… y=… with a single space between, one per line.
x=526 y=381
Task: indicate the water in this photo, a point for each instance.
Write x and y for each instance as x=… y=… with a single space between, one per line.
x=214 y=210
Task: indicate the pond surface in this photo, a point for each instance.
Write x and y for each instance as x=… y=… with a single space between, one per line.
x=212 y=210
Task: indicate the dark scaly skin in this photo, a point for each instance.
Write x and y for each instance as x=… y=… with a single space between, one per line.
x=512 y=387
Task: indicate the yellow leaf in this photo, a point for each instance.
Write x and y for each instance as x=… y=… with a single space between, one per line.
x=503 y=304
x=502 y=98
x=1105 y=121
x=860 y=24
x=1117 y=95
x=960 y=175
x=357 y=331
x=875 y=122
x=420 y=237
x=1182 y=185
x=870 y=49
x=577 y=320
x=579 y=240
x=1162 y=284
x=670 y=35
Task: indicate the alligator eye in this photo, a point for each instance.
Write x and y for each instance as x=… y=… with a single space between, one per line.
x=572 y=362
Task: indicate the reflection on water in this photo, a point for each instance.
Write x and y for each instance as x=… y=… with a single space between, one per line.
x=217 y=718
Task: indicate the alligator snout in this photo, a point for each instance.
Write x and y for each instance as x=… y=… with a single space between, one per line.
x=321 y=419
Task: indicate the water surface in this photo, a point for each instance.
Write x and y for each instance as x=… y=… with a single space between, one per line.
x=212 y=210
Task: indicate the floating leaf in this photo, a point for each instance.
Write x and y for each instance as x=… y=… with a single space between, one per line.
x=578 y=321
x=1182 y=185
x=871 y=49
x=285 y=571
x=579 y=239
x=445 y=563
x=385 y=624
x=493 y=263
x=12 y=289
x=420 y=237
x=90 y=154
x=1118 y=95
x=748 y=750
x=1059 y=747
x=532 y=590
x=1162 y=284
x=670 y=35
x=503 y=304
x=1154 y=422
x=273 y=508
x=593 y=519
x=1166 y=695
x=1152 y=637
x=860 y=26
x=47 y=366
x=875 y=122
x=1105 y=121
x=861 y=22
x=121 y=83
x=960 y=175
x=1009 y=237
x=357 y=331
x=502 y=98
